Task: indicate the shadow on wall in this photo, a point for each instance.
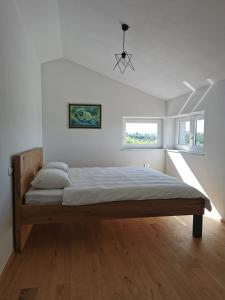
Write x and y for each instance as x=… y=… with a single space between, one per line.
x=186 y=174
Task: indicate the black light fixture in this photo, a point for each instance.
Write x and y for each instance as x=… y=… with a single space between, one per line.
x=123 y=60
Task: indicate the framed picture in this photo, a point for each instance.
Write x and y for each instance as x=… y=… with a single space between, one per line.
x=85 y=115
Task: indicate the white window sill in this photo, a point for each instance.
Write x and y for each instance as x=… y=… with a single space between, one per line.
x=185 y=151
x=139 y=148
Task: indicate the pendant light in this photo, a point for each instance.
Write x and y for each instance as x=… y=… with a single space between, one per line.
x=123 y=60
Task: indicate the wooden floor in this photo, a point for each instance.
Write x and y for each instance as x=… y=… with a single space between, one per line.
x=154 y=258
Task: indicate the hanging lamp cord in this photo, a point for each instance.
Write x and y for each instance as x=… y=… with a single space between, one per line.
x=123 y=40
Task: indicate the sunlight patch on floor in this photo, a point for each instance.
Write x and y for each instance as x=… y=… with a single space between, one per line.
x=180 y=221
x=188 y=177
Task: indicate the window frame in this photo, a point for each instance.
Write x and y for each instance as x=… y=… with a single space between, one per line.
x=193 y=120
x=157 y=121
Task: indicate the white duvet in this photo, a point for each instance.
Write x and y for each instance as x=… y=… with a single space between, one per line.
x=94 y=185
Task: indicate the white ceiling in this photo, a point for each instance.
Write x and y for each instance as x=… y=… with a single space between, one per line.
x=171 y=40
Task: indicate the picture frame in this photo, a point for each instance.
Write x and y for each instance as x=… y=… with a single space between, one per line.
x=85 y=116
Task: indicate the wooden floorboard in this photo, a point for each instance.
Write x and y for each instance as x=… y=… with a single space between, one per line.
x=152 y=258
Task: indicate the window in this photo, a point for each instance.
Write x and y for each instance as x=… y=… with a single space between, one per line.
x=199 y=133
x=142 y=133
x=190 y=133
x=184 y=133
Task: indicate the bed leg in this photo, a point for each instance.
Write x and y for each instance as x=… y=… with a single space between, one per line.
x=17 y=240
x=21 y=236
x=197 y=226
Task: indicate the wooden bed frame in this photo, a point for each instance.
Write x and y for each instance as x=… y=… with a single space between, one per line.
x=28 y=163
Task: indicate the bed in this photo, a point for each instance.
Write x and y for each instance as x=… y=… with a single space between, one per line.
x=94 y=186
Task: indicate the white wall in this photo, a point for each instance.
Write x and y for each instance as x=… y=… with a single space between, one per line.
x=209 y=169
x=20 y=109
x=65 y=82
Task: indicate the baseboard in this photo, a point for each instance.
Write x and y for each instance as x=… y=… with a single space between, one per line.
x=9 y=261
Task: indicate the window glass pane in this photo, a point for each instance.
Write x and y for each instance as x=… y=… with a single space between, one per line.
x=184 y=133
x=141 y=133
x=199 y=133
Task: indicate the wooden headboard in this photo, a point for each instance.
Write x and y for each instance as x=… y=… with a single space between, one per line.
x=25 y=165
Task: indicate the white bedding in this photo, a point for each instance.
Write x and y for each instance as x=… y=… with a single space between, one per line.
x=94 y=185
x=38 y=196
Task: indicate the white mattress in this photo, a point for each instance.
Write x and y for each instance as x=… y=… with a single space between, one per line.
x=94 y=185
x=38 y=196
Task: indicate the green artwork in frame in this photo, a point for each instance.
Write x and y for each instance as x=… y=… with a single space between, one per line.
x=85 y=115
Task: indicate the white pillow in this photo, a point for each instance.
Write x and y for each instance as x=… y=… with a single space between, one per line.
x=57 y=165
x=51 y=179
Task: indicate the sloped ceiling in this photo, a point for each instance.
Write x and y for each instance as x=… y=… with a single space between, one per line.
x=171 y=41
